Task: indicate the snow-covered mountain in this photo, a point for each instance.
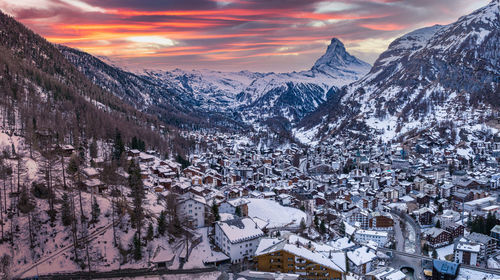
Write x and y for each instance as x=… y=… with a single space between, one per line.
x=425 y=79
x=239 y=97
x=260 y=96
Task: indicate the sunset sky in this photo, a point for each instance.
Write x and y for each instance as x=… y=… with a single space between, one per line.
x=257 y=35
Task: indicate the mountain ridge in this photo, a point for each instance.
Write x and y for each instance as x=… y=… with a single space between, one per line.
x=424 y=78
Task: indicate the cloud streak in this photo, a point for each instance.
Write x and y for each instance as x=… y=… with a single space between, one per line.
x=262 y=35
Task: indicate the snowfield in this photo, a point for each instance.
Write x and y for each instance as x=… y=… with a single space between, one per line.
x=274 y=213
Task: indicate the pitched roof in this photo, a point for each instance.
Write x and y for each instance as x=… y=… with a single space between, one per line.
x=268 y=245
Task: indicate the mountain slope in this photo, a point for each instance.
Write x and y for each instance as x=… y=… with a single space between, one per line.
x=145 y=94
x=425 y=78
x=43 y=93
x=260 y=96
x=226 y=99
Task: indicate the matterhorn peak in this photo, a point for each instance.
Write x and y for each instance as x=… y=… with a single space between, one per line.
x=336 y=56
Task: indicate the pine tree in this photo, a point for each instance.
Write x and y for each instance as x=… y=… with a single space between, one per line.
x=150 y=234
x=162 y=223
x=322 y=227
x=342 y=228
x=93 y=150
x=438 y=224
x=237 y=211
x=137 y=249
x=434 y=254
x=26 y=205
x=96 y=211
x=302 y=224
x=184 y=163
x=66 y=216
x=215 y=211
x=118 y=147
x=74 y=170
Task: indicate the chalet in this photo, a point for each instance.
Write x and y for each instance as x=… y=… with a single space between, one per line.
x=424 y=216
x=95 y=186
x=165 y=183
x=67 y=150
x=437 y=237
x=455 y=230
x=277 y=255
x=90 y=173
x=134 y=153
x=380 y=221
x=145 y=158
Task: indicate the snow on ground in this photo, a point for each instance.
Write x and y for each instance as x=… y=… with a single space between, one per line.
x=306 y=136
x=274 y=213
x=197 y=276
x=468 y=274
x=444 y=251
x=202 y=252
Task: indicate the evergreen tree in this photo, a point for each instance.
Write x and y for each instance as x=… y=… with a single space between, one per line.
x=162 y=223
x=138 y=144
x=96 y=211
x=440 y=208
x=342 y=228
x=322 y=227
x=150 y=234
x=237 y=211
x=184 y=163
x=118 y=147
x=66 y=216
x=73 y=165
x=215 y=211
x=302 y=224
x=93 y=150
x=438 y=224
x=434 y=254
x=137 y=249
x=26 y=205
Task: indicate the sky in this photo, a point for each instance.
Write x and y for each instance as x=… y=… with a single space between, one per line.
x=229 y=35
